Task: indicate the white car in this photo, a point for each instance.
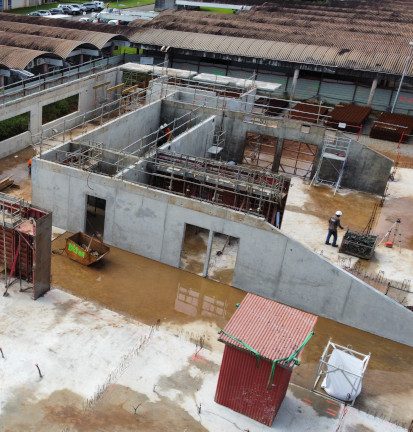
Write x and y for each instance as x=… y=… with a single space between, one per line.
x=99 y=5
x=111 y=11
x=69 y=10
x=88 y=19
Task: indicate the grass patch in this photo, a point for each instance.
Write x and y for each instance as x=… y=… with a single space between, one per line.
x=123 y=4
x=60 y=108
x=14 y=126
x=217 y=10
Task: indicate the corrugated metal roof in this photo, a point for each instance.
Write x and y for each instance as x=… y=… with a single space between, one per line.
x=97 y=39
x=61 y=47
x=280 y=51
x=19 y=58
x=273 y=329
x=72 y=24
x=360 y=37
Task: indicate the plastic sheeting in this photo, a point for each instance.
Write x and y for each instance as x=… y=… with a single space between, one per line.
x=339 y=383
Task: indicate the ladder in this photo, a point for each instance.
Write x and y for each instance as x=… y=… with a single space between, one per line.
x=335 y=151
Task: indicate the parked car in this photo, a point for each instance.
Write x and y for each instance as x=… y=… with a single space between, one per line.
x=40 y=13
x=99 y=5
x=56 y=11
x=89 y=7
x=111 y=10
x=68 y=10
x=88 y=19
x=78 y=6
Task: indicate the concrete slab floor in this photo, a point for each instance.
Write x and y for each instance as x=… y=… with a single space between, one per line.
x=102 y=371
x=309 y=208
x=195 y=308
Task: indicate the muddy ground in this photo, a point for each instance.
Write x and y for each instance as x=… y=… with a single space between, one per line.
x=152 y=292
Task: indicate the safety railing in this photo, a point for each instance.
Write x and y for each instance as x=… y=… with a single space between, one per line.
x=56 y=77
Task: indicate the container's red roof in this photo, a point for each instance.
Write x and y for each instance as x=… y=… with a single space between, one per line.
x=271 y=328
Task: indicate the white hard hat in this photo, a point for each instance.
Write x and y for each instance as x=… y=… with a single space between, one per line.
x=339 y=213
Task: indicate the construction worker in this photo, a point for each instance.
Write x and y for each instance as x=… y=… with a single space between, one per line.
x=333 y=224
x=29 y=166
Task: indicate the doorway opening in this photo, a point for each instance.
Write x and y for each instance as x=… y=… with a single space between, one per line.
x=194 y=249
x=223 y=258
x=95 y=216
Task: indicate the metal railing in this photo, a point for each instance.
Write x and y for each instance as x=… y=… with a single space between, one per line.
x=56 y=77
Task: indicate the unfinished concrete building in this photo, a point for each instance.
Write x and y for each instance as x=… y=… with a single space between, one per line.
x=191 y=158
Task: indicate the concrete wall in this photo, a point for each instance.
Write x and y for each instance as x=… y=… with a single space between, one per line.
x=89 y=98
x=152 y=223
x=201 y=98
x=127 y=129
x=195 y=141
x=366 y=170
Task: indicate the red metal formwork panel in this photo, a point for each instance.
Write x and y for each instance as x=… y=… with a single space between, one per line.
x=244 y=385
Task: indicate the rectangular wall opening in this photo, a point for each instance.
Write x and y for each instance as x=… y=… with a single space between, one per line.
x=95 y=215
x=194 y=249
x=223 y=257
x=60 y=108
x=260 y=150
x=14 y=126
x=297 y=158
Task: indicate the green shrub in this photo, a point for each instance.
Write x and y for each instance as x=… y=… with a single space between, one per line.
x=60 y=108
x=14 y=126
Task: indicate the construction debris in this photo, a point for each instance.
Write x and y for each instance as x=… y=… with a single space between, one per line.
x=85 y=249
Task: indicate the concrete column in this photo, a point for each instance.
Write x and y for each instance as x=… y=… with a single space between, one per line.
x=278 y=152
x=45 y=68
x=1 y=80
x=166 y=60
x=372 y=91
x=208 y=254
x=81 y=59
x=294 y=84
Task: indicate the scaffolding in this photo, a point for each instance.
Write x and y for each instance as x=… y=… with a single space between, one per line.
x=17 y=247
x=234 y=186
x=239 y=187
x=335 y=152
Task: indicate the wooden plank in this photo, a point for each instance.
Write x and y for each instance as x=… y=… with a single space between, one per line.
x=5 y=183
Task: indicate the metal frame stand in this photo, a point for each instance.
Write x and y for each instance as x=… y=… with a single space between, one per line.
x=325 y=368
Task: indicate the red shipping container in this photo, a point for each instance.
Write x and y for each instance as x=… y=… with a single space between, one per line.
x=261 y=331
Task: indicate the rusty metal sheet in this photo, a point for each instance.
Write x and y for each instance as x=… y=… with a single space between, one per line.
x=352 y=115
x=392 y=127
x=42 y=253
